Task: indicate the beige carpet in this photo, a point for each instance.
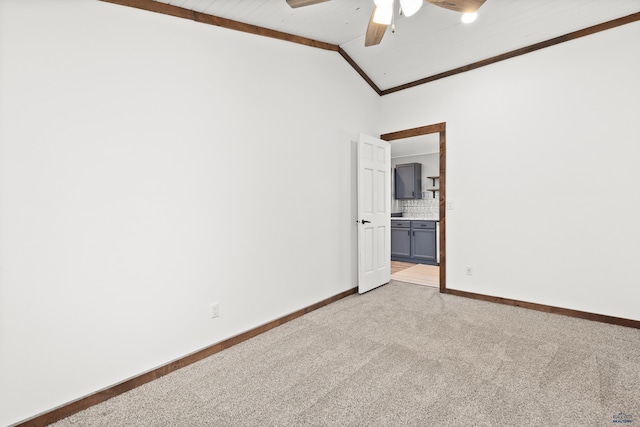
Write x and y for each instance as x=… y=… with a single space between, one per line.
x=419 y=274
x=401 y=355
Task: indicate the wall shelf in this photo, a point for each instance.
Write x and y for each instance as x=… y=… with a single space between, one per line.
x=433 y=181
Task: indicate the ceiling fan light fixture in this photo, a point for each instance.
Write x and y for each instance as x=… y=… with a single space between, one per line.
x=383 y=15
x=469 y=17
x=410 y=7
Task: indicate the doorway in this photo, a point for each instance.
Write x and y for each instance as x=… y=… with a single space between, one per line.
x=440 y=129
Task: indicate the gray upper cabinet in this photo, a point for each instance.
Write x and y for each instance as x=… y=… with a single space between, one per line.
x=408 y=179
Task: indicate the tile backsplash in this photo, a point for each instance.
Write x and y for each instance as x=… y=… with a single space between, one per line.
x=427 y=207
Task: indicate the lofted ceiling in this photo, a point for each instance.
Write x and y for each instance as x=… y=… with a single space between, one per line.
x=431 y=42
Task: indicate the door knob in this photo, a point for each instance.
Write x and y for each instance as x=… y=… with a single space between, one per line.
x=364 y=221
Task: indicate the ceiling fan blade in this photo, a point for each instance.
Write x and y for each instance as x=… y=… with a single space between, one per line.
x=459 y=5
x=301 y=3
x=375 y=31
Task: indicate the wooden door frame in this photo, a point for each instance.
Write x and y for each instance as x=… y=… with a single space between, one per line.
x=441 y=129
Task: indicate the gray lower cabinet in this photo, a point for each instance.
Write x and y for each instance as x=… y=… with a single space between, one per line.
x=423 y=245
x=413 y=241
x=400 y=239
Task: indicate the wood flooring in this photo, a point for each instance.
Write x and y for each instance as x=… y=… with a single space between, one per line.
x=417 y=274
x=399 y=265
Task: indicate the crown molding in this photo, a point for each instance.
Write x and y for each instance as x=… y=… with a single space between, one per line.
x=167 y=9
x=205 y=18
x=522 y=51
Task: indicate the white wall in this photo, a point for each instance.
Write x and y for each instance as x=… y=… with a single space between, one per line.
x=542 y=166
x=430 y=164
x=143 y=162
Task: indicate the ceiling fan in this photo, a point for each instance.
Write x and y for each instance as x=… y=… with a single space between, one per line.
x=383 y=13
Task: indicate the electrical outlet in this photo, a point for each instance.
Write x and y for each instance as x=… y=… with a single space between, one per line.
x=469 y=270
x=215 y=310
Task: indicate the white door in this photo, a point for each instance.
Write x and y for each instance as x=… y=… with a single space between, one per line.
x=374 y=213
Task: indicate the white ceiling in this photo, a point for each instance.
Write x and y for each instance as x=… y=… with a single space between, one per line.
x=423 y=144
x=430 y=42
